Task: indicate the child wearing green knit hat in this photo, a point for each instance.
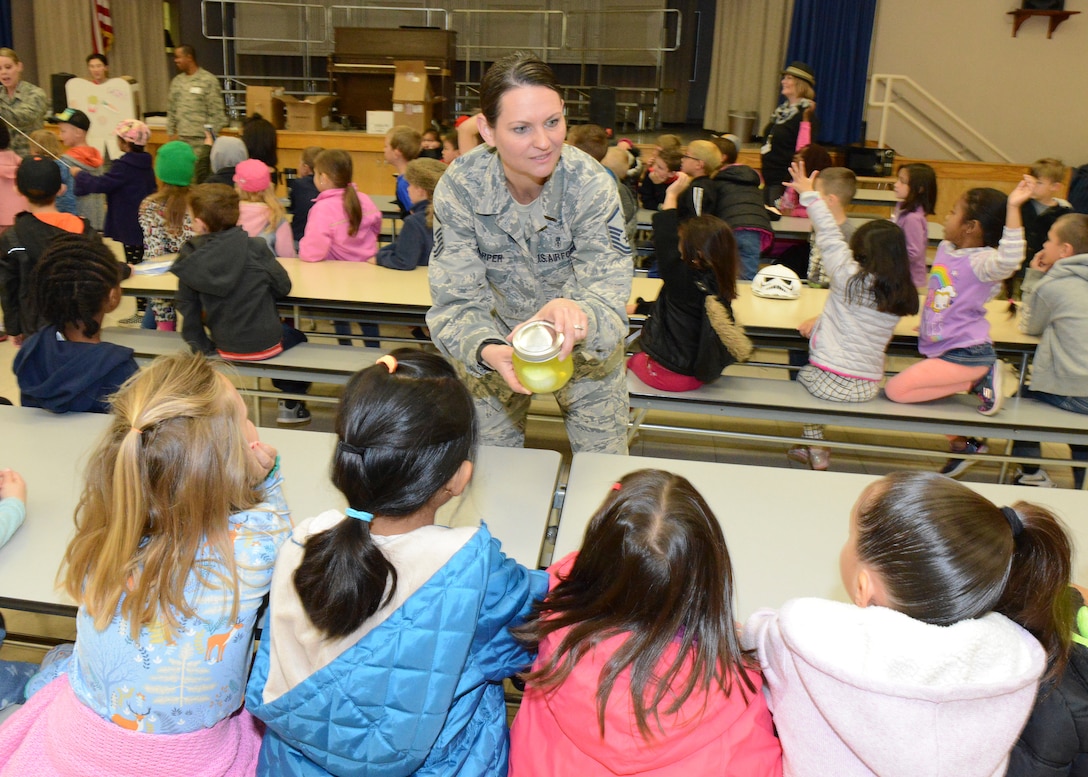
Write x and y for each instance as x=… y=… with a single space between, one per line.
x=165 y=220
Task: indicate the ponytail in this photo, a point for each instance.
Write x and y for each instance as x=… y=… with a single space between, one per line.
x=1035 y=595
x=353 y=209
x=342 y=580
x=337 y=165
x=404 y=432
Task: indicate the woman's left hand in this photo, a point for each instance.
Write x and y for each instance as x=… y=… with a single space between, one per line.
x=567 y=317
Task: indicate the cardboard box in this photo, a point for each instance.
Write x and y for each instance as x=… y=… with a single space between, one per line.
x=379 y=122
x=267 y=101
x=412 y=96
x=309 y=114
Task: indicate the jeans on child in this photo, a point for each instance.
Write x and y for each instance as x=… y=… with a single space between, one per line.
x=13 y=678
x=367 y=330
x=749 y=248
x=1034 y=450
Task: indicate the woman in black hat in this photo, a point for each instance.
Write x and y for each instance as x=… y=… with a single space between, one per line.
x=784 y=135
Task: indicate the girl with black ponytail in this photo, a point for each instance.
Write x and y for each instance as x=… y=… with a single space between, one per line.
x=388 y=635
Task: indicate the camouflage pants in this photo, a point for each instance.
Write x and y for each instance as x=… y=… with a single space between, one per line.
x=594 y=405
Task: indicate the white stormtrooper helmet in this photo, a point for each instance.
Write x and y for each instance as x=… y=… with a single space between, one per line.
x=776 y=281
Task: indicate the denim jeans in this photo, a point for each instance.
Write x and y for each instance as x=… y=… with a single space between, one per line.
x=1033 y=449
x=367 y=330
x=291 y=338
x=749 y=247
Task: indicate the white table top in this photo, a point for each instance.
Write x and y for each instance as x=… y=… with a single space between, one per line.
x=347 y=286
x=512 y=491
x=784 y=527
x=801 y=228
x=766 y=318
x=795 y=227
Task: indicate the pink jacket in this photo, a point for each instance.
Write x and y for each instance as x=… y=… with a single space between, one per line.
x=11 y=202
x=326 y=235
x=55 y=735
x=253 y=217
x=865 y=691
x=557 y=733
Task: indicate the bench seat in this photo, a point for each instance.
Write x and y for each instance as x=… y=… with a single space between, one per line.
x=784 y=400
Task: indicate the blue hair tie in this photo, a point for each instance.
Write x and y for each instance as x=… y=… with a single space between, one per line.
x=361 y=515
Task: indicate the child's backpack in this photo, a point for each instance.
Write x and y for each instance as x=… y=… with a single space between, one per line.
x=1078 y=189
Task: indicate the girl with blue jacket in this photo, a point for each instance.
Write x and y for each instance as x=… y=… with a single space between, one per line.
x=388 y=636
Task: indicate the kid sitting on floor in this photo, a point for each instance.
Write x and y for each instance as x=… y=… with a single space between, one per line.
x=65 y=367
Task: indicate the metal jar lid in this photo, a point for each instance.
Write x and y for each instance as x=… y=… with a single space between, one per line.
x=537 y=341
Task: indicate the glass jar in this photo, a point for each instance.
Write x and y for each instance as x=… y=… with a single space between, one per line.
x=536 y=358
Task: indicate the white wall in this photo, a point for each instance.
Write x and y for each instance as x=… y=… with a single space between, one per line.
x=1026 y=94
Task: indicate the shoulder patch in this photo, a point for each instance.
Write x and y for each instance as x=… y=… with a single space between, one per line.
x=439 y=240
x=617 y=235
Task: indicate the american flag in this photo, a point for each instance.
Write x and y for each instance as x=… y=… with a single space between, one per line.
x=101 y=26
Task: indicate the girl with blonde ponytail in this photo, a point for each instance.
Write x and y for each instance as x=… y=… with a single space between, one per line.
x=177 y=529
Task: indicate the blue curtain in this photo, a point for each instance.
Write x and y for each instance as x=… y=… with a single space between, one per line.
x=834 y=37
x=6 y=40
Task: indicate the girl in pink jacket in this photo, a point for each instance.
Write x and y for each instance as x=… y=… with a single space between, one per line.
x=343 y=223
x=640 y=669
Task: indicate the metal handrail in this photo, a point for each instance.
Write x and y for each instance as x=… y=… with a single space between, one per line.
x=296 y=6
x=409 y=9
x=888 y=105
x=543 y=47
x=663 y=12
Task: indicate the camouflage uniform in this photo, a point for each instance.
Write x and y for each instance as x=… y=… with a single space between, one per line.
x=25 y=110
x=489 y=274
x=188 y=110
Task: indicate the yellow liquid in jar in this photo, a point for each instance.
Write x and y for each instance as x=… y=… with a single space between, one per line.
x=543 y=377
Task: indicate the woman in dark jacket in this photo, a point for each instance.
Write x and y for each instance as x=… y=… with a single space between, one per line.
x=784 y=134
x=695 y=259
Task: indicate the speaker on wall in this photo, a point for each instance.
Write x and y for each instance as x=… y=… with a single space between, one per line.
x=60 y=98
x=1044 y=5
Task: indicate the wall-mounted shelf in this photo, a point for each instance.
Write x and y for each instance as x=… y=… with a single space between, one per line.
x=1054 y=18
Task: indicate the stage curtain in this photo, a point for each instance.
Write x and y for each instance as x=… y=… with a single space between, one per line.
x=749 y=52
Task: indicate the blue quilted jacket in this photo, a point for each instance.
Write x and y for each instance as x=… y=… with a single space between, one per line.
x=422 y=693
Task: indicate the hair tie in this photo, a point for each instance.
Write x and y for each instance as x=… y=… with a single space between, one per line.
x=617 y=486
x=389 y=361
x=349 y=448
x=137 y=430
x=360 y=515
x=1015 y=523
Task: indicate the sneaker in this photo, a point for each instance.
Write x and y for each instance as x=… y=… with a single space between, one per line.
x=989 y=389
x=799 y=454
x=1039 y=479
x=816 y=458
x=134 y=320
x=293 y=412
x=953 y=468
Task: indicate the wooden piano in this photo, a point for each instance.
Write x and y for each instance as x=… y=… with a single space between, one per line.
x=361 y=67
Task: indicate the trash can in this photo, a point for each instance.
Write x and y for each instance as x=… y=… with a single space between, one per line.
x=742 y=124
